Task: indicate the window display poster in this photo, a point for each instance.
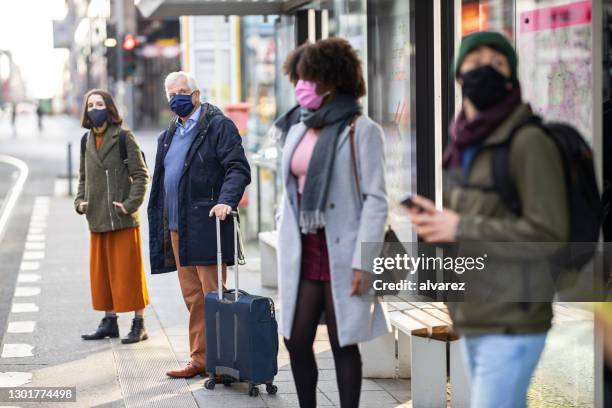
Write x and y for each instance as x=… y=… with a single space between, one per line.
x=555 y=66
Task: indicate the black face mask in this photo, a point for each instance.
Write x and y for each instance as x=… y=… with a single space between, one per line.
x=485 y=86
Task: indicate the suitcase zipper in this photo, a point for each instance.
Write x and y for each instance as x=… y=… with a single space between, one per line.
x=218 y=325
x=235 y=338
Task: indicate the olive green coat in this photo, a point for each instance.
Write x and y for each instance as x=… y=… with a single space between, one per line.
x=536 y=168
x=104 y=178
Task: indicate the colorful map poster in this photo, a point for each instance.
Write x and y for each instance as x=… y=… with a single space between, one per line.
x=555 y=62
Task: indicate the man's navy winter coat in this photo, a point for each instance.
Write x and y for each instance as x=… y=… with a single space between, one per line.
x=216 y=171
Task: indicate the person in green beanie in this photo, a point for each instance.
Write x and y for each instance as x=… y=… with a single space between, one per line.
x=502 y=341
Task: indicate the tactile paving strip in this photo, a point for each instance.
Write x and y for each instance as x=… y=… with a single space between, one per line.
x=141 y=369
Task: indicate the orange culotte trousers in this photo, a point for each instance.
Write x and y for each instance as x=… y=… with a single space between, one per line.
x=117 y=271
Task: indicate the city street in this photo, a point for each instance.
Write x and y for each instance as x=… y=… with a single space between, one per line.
x=344 y=133
x=45 y=304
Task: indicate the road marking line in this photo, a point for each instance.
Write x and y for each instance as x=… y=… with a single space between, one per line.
x=13 y=195
x=28 y=277
x=29 y=266
x=21 y=327
x=26 y=291
x=33 y=255
x=36 y=237
x=34 y=246
x=14 y=379
x=39 y=218
x=38 y=224
x=17 y=350
x=24 y=308
x=35 y=231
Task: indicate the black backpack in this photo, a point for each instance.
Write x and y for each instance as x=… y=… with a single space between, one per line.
x=584 y=200
x=122 y=146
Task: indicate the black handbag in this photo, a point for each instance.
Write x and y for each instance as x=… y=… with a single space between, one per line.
x=391 y=245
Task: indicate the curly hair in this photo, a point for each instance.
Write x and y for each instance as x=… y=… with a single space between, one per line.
x=335 y=62
x=290 y=66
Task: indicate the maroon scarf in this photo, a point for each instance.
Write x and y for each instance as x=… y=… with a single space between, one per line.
x=466 y=133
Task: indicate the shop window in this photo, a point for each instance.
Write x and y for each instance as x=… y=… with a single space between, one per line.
x=391 y=98
x=553 y=39
x=483 y=15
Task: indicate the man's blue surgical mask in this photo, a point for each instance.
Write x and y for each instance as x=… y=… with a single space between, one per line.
x=182 y=104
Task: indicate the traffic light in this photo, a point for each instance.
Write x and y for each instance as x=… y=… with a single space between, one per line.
x=129 y=45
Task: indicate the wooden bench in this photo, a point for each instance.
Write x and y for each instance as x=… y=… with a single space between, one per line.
x=268 y=241
x=425 y=350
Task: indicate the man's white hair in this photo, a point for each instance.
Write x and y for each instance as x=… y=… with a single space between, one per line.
x=174 y=76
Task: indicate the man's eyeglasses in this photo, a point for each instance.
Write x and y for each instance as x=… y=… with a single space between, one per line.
x=172 y=95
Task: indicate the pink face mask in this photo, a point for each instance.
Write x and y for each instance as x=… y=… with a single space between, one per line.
x=306 y=95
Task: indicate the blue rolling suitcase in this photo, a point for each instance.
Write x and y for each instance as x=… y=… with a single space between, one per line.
x=241 y=333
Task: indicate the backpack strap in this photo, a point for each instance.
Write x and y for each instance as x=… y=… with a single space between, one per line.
x=123 y=146
x=84 y=143
x=500 y=168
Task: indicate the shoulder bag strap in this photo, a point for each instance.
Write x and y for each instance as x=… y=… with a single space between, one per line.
x=388 y=229
x=354 y=154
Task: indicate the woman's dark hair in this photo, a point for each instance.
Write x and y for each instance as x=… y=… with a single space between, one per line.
x=333 y=62
x=290 y=66
x=111 y=108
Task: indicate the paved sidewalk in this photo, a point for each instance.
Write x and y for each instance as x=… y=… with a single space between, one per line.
x=109 y=374
x=170 y=310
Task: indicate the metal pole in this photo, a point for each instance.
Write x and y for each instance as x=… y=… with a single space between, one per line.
x=219 y=259
x=70 y=168
x=235 y=216
x=119 y=10
x=275 y=204
x=258 y=199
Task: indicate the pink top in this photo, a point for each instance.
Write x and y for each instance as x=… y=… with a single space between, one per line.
x=301 y=157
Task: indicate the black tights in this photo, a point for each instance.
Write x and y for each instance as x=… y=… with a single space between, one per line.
x=314 y=297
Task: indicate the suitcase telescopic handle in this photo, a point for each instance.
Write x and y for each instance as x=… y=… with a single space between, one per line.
x=220 y=256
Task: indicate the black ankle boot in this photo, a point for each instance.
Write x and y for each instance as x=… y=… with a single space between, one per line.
x=137 y=333
x=108 y=328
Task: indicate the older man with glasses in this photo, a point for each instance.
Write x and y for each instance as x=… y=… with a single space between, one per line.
x=201 y=172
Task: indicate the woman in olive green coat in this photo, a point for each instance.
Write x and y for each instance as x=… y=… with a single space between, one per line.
x=111 y=190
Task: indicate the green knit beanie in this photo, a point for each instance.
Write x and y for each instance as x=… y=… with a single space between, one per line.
x=489 y=38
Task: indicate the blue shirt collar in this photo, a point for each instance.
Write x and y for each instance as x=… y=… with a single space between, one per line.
x=195 y=116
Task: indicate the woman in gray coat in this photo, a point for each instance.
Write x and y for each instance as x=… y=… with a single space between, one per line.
x=332 y=203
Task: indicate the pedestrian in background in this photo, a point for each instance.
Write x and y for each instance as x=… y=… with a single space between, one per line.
x=39 y=114
x=201 y=172
x=110 y=193
x=328 y=210
x=502 y=341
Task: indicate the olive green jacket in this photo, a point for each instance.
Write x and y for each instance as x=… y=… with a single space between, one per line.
x=104 y=178
x=536 y=169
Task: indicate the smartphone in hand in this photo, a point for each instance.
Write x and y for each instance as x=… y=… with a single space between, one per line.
x=409 y=203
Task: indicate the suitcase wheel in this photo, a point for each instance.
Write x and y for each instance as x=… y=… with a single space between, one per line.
x=210 y=384
x=271 y=389
x=253 y=391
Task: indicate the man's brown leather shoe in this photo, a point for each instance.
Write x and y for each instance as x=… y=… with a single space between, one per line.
x=189 y=371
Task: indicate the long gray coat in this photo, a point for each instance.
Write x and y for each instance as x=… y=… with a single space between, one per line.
x=349 y=221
